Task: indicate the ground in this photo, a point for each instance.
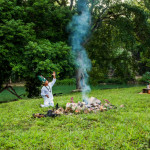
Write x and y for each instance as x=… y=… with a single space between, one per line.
x=121 y=128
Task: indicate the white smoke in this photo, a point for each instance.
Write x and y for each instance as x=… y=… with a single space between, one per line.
x=80 y=28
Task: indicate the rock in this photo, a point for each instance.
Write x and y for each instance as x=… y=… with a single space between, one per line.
x=93 y=105
x=88 y=106
x=96 y=110
x=83 y=103
x=68 y=105
x=71 y=105
x=86 y=111
x=84 y=107
x=101 y=108
x=93 y=100
x=91 y=109
x=110 y=107
x=68 y=110
x=106 y=104
x=70 y=114
x=80 y=104
x=78 y=108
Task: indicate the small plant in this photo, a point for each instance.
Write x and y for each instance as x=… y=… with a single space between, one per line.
x=146 y=77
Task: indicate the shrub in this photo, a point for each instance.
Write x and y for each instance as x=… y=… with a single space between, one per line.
x=115 y=81
x=112 y=81
x=66 y=82
x=146 y=77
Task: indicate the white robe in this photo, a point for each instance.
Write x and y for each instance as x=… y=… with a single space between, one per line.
x=47 y=90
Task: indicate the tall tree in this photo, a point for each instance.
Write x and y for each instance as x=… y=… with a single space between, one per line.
x=128 y=19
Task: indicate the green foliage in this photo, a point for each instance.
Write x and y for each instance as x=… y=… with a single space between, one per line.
x=121 y=35
x=107 y=81
x=66 y=82
x=14 y=35
x=50 y=20
x=146 y=77
x=25 y=30
x=42 y=58
x=5 y=71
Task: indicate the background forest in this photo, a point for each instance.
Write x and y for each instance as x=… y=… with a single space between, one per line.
x=34 y=39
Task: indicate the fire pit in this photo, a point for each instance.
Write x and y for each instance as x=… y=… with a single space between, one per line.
x=94 y=105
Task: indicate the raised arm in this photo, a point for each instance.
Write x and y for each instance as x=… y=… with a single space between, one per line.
x=54 y=79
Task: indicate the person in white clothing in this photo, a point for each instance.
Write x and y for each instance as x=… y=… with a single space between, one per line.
x=46 y=92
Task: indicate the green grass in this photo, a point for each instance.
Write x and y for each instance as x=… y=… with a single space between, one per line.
x=125 y=128
x=6 y=96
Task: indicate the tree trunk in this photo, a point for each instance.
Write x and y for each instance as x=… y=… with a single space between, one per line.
x=78 y=79
x=71 y=4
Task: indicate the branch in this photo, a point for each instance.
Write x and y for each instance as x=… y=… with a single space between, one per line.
x=58 y=2
x=13 y=92
x=92 y=6
x=71 y=4
x=98 y=24
x=99 y=20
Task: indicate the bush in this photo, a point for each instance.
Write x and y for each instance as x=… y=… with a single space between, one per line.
x=115 y=81
x=108 y=81
x=145 y=77
x=42 y=58
x=66 y=82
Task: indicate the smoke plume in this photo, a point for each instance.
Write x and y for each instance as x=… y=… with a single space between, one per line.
x=80 y=28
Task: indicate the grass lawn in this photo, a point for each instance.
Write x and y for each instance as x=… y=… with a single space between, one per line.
x=6 y=96
x=121 y=128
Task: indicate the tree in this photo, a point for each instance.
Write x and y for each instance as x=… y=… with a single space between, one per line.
x=14 y=36
x=50 y=20
x=127 y=20
x=42 y=58
x=25 y=29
